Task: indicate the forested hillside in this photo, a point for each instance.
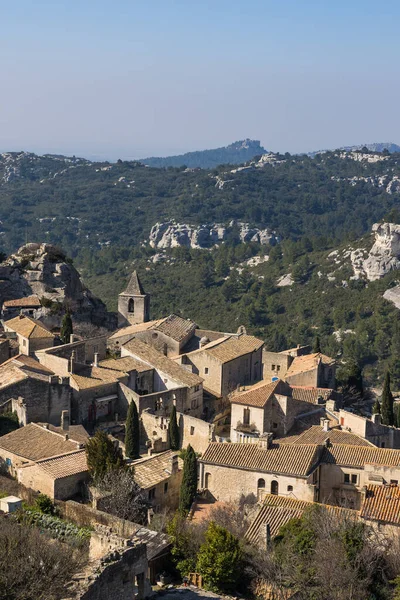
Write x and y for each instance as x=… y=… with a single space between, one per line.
x=101 y=214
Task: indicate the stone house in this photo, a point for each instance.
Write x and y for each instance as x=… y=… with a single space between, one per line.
x=31 y=334
x=169 y=335
x=29 y=306
x=33 y=391
x=381 y=508
x=172 y=383
x=276 y=364
x=160 y=477
x=231 y=470
x=315 y=370
x=36 y=442
x=383 y=436
x=226 y=363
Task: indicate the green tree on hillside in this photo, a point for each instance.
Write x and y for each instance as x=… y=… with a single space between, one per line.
x=102 y=455
x=219 y=559
x=173 y=431
x=132 y=432
x=317 y=345
x=387 y=402
x=189 y=481
x=66 y=328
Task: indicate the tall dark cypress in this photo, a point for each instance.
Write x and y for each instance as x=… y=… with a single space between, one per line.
x=317 y=345
x=132 y=432
x=66 y=328
x=189 y=481
x=173 y=431
x=387 y=402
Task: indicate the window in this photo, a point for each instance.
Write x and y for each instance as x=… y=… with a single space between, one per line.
x=192 y=430
x=354 y=479
x=274 y=425
x=246 y=416
x=394 y=482
x=382 y=444
x=95 y=349
x=24 y=342
x=152 y=494
x=274 y=488
x=278 y=367
x=165 y=487
x=207 y=480
x=273 y=367
x=290 y=488
x=261 y=484
x=347 y=478
x=131 y=305
x=194 y=403
x=205 y=370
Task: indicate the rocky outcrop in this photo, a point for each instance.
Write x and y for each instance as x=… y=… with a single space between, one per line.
x=384 y=255
x=44 y=270
x=172 y=235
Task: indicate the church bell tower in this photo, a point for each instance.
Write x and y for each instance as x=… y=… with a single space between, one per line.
x=133 y=303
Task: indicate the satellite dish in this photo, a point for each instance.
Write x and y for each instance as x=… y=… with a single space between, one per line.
x=275 y=379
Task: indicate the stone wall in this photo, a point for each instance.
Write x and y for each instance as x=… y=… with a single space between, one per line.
x=4 y=350
x=382 y=436
x=275 y=364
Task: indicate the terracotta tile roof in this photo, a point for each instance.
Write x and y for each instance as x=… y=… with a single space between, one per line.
x=35 y=442
x=124 y=364
x=28 y=327
x=176 y=327
x=66 y=465
x=233 y=347
x=313 y=417
x=28 y=302
x=152 y=357
x=76 y=433
x=312 y=394
x=155 y=469
x=276 y=511
x=259 y=394
x=316 y=435
x=22 y=367
x=89 y=377
x=285 y=458
x=308 y=362
x=156 y=542
x=382 y=503
x=358 y=456
x=132 y=329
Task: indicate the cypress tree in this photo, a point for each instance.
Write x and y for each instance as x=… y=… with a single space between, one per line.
x=317 y=345
x=376 y=409
x=387 y=402
x=173 y=431
x=66 y=328
x=132 y=432
x=189 y=481
x=102 y=455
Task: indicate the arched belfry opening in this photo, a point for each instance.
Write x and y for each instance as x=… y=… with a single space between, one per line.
x=133 y=303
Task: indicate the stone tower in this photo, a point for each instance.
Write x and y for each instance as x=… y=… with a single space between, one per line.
x=133 y=303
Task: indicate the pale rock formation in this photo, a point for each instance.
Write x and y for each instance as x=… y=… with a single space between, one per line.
x=393 y=295
x=285 y=280
x=173 y=235
x=384 y=255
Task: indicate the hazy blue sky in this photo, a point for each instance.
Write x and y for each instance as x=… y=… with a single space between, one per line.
x=133 y=78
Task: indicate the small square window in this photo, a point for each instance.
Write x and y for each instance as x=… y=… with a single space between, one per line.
x=273 y=367
x=192 y=430
x=205 y=370
x=290 y=488
x=274 y=425
x=152 y=494
x=278 y=367
x=347 y=478
x=354 y=479
x=165 y=487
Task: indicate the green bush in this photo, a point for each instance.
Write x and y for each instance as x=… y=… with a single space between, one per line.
x=45 y=505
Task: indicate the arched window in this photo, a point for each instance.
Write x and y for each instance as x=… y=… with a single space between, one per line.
x=207 y=480
x=261 y=484
x=131 y=305
x=274 y=488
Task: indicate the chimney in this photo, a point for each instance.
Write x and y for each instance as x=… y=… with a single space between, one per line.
x=66 y=437
x=72 y=338
x=265 y=440
x=174 y=464
x=96 y=359
x=65 y=420
x=150 y=451
x=326 y=425
x=71 y=362
x=377 y=419
x=322 y=422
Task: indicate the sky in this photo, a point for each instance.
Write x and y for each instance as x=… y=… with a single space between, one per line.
x=130 y=79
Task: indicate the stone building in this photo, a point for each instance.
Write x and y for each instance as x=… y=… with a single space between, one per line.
x=133 y=303
x=160 y=477
x=33 y=391
x=226 y=363
x=383 y=436
x=172 y=383
x=316 y=370
x=29 y=306
x=32 y=335
x=276 y=364
x=229 y=471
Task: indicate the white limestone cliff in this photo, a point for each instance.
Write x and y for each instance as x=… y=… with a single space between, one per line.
x=384 y=255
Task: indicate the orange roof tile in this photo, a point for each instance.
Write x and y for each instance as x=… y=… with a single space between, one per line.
x=28 y=327
x=27 y=302
x=66 y=465
x=259 y=394
x=382 y=503
x=316 y=435
x=35 y=442
x=358 y=456
x=308 y=362
x=233 y=347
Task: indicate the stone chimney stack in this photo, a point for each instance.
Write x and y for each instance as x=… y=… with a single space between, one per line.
x=174 y=464
x=96 y=359
x=322 y=422
x=326 y=425
x=72 y=338
x=65 y=420
x=71 y=362
x=265 y=440
x=377 y=419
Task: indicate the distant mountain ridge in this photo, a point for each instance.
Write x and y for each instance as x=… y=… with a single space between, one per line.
x=374 y=147
x=234 y=154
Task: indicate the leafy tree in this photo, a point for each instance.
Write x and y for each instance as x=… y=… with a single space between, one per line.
x=102 y=455
x=132 y=432
x=8 y=422
x=219 y=559
x=387 y=402
x=189 y=481
x=66 y=328
x=45 y=505
x=317 y=345
x=186 y=540
x=173 y=431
